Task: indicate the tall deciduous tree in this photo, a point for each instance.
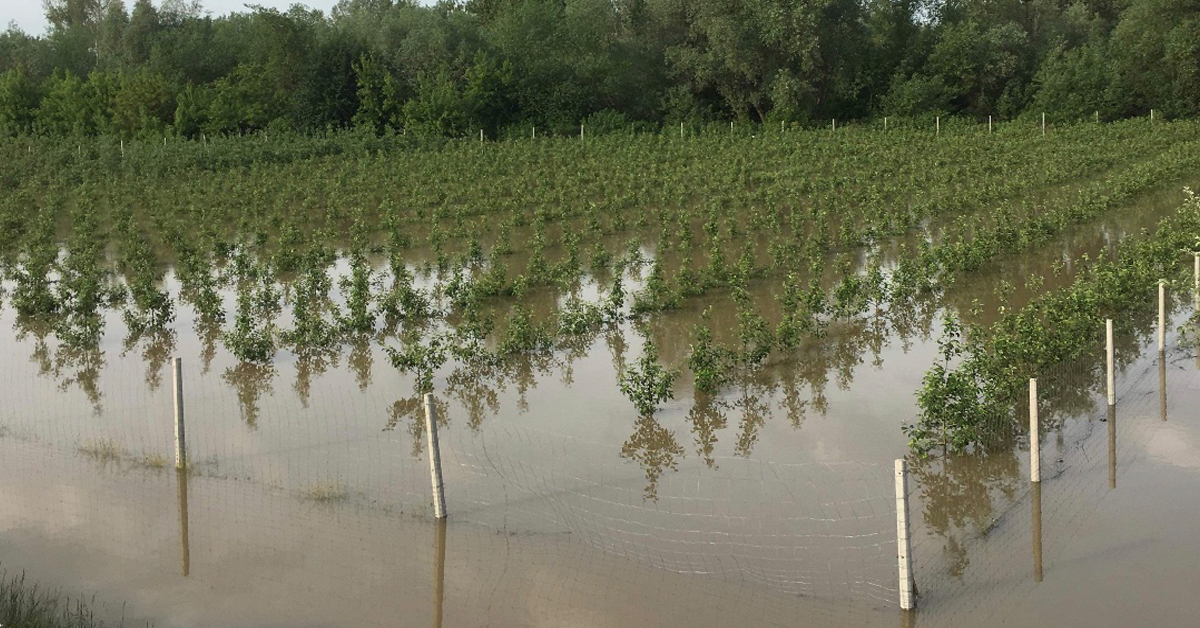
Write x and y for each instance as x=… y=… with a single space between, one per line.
x=757 y=54
x=18 y=98
x=1156 y=54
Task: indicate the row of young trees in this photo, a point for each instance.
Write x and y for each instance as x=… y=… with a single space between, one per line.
x=457 y=67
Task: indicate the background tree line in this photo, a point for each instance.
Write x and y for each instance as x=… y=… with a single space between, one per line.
x=502 y=65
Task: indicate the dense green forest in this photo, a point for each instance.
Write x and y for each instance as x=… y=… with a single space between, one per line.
x=506 y=65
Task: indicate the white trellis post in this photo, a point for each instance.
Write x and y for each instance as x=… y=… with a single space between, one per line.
x=1035 y=453
x=903 y=539
x=435 y=458
x=1162 y=316
x=1196 y=278
x=180 y=445
x=1110 y=354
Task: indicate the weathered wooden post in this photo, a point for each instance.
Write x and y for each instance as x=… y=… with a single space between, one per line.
x=184 y=540
x=989 y=124
x=435 y=458
x=1162 y=385
x=937 y=129
x=1112 y=447
x=1035 y=495
x=903 y=539
x=439 y=571
x=1043 y=124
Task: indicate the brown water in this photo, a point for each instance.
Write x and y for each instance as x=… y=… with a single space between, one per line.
x=771 y=504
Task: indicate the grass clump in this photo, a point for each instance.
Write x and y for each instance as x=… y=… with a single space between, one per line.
x=27 y=605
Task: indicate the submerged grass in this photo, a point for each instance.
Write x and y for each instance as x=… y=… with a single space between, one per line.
x=326 y=492
x=103 y=449
x=152 y=461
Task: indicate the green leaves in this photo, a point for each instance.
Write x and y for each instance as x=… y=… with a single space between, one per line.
x=647 y=383
x=709 y=362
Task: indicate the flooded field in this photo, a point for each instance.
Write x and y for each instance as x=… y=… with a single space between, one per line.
x=767 y=501
x=752 y=508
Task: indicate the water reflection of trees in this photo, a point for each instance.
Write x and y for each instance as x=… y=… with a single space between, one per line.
x=707 y=418
x=791 y=384
x=311 y=364
x=476 y=389
x=753 y=401
x=360 y=362
x=157 y=348
x=958 y=493
x=209 y=333
x=68 y=366
x=654 y=448
x=250 y=382
x=411 y=410
x=799 y=379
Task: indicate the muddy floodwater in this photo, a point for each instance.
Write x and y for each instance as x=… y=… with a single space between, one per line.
x=308 y=498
